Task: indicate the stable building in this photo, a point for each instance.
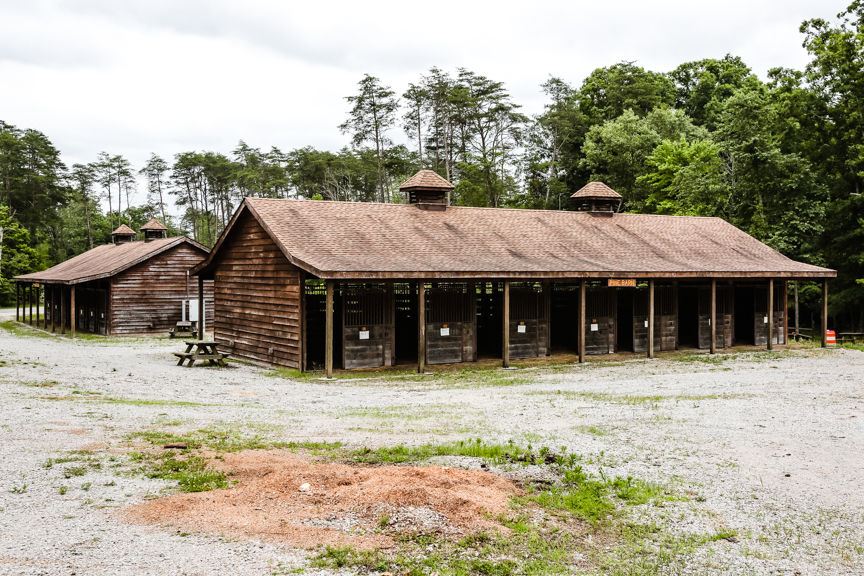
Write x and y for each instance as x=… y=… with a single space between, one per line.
x=316 y=284
x=126 y=287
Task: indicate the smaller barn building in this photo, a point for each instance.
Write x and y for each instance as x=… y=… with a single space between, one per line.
x=126 y=287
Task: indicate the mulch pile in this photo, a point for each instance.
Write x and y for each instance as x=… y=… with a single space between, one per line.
x=303 y=502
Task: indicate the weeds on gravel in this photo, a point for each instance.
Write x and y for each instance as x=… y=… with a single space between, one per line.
x=496 y=453
x=192 y=473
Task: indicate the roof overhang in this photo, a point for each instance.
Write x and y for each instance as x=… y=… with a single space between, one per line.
x=31 y=279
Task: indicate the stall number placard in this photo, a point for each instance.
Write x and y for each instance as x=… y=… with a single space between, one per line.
x=595 y=327
x=445 y=331
x=765 y=320
x=364 y=334
x=521 y=328
x=646 y=323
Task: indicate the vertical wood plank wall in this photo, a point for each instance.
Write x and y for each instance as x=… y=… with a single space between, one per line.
x=146 y=298
x=257 y=298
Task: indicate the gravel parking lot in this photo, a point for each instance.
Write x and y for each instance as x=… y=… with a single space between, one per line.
x=767 y=445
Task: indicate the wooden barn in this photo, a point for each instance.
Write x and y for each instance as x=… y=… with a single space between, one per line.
x=126 y=287
x=312 y=284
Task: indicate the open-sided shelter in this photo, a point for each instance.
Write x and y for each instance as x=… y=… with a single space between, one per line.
x=125 y=287
x=305 y=284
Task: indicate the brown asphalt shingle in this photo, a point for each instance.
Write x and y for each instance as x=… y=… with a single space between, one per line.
x=596 y=190
x=104 y=261
x=426 y=180
x=357 y=240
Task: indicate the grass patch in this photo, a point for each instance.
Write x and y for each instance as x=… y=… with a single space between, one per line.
x=593 y=430
x=474 y=448
x=192 y=473
x=89 y=396
x=40 y=383
x=21 y=329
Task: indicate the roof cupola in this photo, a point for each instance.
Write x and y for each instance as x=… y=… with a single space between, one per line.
x=122 y=234
x=427 y=190
x=597 y=198
x=153 y=230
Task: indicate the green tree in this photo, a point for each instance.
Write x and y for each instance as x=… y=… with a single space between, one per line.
x=607 y=92
x=616 y=151
x=701 y=87
x=156 y=170
x=16 y=254
x=550 y=142
x=373 y=113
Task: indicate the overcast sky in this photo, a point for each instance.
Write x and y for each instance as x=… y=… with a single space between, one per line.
x=165 y=76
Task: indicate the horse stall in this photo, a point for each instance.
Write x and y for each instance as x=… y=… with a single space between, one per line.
x=600 y=319
x=665 y=318
x=725 y=329
x=529 y=319
x=451 y=322
x=367 y=325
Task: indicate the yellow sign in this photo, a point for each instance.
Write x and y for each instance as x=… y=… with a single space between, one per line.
x=623 y=282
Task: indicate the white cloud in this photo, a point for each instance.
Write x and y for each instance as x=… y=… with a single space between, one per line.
x=166 y=76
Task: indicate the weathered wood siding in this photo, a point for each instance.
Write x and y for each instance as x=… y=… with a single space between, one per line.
x=451 y=307
x=760 y=316
x=257 y=298
x=458 y=346
x=725 y=330
x=665 y=318
x=146 y=298
x=600 y=310
x=529 y=308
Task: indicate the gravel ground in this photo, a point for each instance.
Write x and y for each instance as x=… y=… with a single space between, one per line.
x=767 y=445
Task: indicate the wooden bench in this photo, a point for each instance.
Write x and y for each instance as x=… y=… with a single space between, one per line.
x=201 y=350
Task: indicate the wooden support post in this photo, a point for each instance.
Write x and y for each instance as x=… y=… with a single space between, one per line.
x=713 y=320
x=301 y=315
x=72 y=312
x=328 y=330
x=770 y=314
x=581 y=316
x=38 y=298
x=201 y=315
x=675 y=310
x=824 y=313
x=785 y=313
x=17 y=302
x=30 y=301
x=797 y=326
x=421 y=326
x=650 y=318
x=53 y=308
x=62 y=310
x=506 y=327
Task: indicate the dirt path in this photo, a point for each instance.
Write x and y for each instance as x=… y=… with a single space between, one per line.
x=769 y=445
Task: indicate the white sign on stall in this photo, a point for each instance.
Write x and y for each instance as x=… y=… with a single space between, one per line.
x=765 y=320
x=520 y=328
x=595 y=327
x=445 y=331
x=364 y=334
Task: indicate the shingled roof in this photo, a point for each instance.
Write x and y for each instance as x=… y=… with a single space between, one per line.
x=105 y=261
x=123 y=230
x=370 y=240
x=596 y=190
x=154 y=224
x=426 y=180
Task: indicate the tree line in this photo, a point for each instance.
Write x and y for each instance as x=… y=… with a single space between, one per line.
x=781 y=158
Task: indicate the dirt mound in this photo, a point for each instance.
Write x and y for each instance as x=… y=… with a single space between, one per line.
x=303 y=502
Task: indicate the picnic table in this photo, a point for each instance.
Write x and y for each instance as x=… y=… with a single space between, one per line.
x=852 y=337
x=201 y=350
x=184 y=329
